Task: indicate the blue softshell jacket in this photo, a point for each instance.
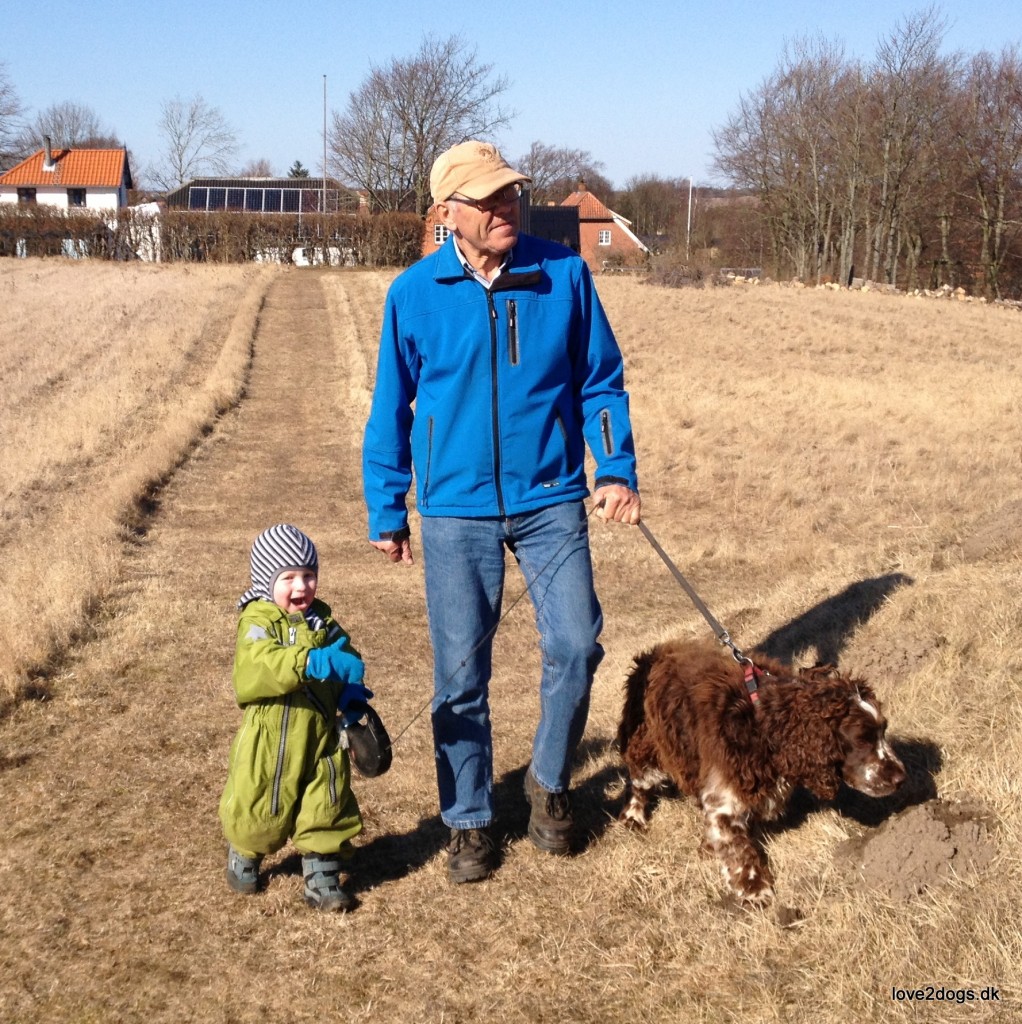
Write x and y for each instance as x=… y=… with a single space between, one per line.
x=491 y=395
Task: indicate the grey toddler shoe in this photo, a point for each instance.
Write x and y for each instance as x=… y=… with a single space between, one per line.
x=242 y=872
x=323 y=889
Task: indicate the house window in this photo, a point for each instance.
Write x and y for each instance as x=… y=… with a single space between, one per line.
x=76 y=197
x=235 y=198
x=197 y=198
x=605 y=237
x=440 y=234
x=26 y=195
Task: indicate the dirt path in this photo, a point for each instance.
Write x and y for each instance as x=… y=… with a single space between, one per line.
x=114 y=849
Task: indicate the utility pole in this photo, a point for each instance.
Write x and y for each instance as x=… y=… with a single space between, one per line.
x=688 y=226
x=324 y=146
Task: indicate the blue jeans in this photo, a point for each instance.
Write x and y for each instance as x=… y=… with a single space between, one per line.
x=464 y=571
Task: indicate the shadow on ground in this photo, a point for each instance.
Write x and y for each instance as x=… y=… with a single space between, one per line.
x=393 y=856
x=829 y=625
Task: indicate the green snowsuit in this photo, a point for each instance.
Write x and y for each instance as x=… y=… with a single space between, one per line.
x=287 y=775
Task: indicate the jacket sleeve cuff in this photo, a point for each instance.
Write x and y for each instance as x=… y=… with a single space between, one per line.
x=395 y=535
x=607 y=481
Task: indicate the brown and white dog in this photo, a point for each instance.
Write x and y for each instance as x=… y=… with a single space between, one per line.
x=690 y=719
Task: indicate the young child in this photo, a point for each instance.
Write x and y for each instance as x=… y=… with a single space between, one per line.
x=288 y=777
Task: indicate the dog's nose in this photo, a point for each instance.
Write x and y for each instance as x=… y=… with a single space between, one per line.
x=890 y=776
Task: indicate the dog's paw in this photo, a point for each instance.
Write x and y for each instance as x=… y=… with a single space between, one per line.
x=751 y=884
x=757 y=898
x=633 y=818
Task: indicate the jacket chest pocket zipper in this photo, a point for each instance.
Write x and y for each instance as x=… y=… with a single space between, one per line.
x=512 y=331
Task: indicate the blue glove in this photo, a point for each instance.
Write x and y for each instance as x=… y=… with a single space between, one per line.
x=335 y=663
x=352 y=692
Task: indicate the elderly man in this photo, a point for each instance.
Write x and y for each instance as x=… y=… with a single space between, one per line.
x=500 y=342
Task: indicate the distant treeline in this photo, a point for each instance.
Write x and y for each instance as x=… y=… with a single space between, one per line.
x=906 y=169
x=382 y=240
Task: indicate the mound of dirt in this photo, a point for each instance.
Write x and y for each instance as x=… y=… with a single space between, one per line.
x=998 y=532
x=921 y=847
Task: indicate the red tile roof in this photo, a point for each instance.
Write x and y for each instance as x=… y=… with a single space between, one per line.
x=589 y=207
x=73 y=168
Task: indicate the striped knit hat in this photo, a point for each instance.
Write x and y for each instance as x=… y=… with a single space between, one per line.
x=276 y=550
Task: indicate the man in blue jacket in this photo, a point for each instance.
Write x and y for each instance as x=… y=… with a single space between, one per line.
x=501 y=344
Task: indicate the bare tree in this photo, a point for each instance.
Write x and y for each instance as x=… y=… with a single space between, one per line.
x=910 y=82
x=407 y=113
x=752 y=155
x=261 y=168
x=69 y=125
x=11 y=112
x=786 y=145
x=198 y=141
x=992 y=151
x=556 y=171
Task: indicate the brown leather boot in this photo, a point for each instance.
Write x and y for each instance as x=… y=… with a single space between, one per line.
x=550 y=822
x=471 y=855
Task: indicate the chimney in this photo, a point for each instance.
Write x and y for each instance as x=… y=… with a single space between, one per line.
x=48 y=164
x=581 y=185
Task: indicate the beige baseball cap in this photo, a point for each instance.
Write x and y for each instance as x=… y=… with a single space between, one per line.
x=473 y=169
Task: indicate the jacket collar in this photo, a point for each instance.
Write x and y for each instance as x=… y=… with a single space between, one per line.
x=521 y=271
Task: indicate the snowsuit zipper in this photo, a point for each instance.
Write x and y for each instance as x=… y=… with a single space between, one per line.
x=281 y=750
x=328 y=718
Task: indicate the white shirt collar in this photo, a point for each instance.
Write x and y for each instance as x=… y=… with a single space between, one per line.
x=478 y=275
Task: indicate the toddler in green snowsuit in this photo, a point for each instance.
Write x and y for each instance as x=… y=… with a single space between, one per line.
x=288 y=776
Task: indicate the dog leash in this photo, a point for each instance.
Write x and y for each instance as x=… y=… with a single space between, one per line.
x=752 y=673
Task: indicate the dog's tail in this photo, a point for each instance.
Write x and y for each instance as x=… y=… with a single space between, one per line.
x=634 y=713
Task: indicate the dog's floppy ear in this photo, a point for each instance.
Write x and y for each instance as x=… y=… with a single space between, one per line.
x=811 y=753
x=824 y=782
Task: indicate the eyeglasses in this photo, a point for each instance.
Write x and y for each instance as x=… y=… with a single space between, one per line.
x=509 y=194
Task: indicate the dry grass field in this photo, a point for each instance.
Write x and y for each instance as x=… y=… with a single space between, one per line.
x=839 y=475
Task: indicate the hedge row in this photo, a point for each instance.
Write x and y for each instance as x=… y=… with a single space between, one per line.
x=388 y=239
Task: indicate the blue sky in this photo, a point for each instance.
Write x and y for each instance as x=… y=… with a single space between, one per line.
x=640 y=86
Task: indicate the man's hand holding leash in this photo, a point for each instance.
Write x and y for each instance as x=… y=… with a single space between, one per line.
x=616 y=503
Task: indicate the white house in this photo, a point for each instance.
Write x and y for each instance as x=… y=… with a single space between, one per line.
x=90 y=179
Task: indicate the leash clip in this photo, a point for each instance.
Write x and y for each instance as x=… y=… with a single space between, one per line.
x=752 y=674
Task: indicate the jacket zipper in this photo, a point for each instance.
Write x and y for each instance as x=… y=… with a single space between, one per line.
x=494 y=406
x=429 y=461
x=512 y=331
x=279 y=773
x=608 y=437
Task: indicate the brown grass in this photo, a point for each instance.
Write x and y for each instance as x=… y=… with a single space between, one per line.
x=836 y=473
x=111 y=373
